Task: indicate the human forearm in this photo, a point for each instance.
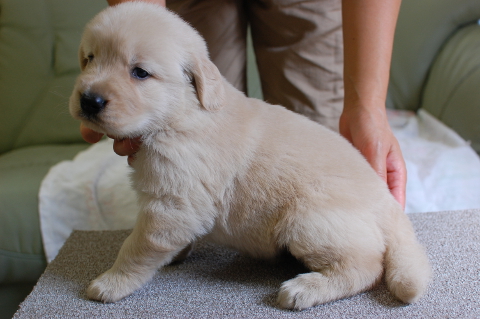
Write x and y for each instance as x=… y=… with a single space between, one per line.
x=369 y=27
x=368 y=30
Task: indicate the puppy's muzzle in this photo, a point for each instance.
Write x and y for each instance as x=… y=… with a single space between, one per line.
x=92 y=104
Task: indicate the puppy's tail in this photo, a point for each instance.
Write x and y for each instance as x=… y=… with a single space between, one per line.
x=407 y=269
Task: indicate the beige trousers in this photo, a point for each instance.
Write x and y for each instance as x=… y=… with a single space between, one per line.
x=298 y=46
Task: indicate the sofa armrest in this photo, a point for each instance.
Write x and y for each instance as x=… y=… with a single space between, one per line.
x=452 y=92
x=423 y=28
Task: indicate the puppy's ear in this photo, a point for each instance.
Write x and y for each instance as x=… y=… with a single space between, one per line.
x=208 y=82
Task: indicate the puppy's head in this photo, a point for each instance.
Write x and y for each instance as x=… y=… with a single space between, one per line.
x=142 y=69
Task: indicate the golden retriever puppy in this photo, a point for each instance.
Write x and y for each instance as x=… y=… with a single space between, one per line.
x=237 y=171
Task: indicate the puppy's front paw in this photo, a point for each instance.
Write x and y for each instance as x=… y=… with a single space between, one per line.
x=112 y=286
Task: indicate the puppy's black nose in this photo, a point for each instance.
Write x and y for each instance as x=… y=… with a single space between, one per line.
x=92 y=104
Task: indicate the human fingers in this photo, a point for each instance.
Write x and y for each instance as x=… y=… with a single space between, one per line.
x=90 y=135
x=397 y=175
x=387 y=161
x=373 y=137
x=115 y=2
x=127 y=146
x=130 y=159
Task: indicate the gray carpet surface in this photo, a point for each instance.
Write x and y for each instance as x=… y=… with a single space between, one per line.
x=215 y=282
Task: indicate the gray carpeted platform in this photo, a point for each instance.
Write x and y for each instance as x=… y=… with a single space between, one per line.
x=219 y=283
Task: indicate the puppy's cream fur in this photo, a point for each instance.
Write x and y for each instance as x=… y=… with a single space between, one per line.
x=241 y=172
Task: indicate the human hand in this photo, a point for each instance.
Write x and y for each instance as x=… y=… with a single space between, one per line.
x=367 y=57
x=371 y=134
x=123 y=147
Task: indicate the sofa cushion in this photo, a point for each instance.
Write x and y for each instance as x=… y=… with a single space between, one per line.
x=452 y=92
x=38 y=64
x=423 y=28
x=21 y=251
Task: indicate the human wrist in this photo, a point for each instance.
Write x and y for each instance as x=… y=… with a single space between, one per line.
x=371 y=104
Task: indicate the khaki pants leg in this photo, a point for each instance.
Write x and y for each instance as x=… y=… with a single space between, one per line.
x=299 y=50
x=298 y=46
x=223 y=24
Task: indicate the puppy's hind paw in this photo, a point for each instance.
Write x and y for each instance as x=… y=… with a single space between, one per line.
x=111 y=287
x=300 y=293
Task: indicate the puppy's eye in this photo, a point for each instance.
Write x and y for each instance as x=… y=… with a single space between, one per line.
x=140 y=73
x=87 y=60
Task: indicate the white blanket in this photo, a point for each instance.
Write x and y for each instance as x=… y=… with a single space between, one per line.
x=93 y=192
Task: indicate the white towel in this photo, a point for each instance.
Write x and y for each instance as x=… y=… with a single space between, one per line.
x=93 y=192
x=90 y=192
x=443 y=171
